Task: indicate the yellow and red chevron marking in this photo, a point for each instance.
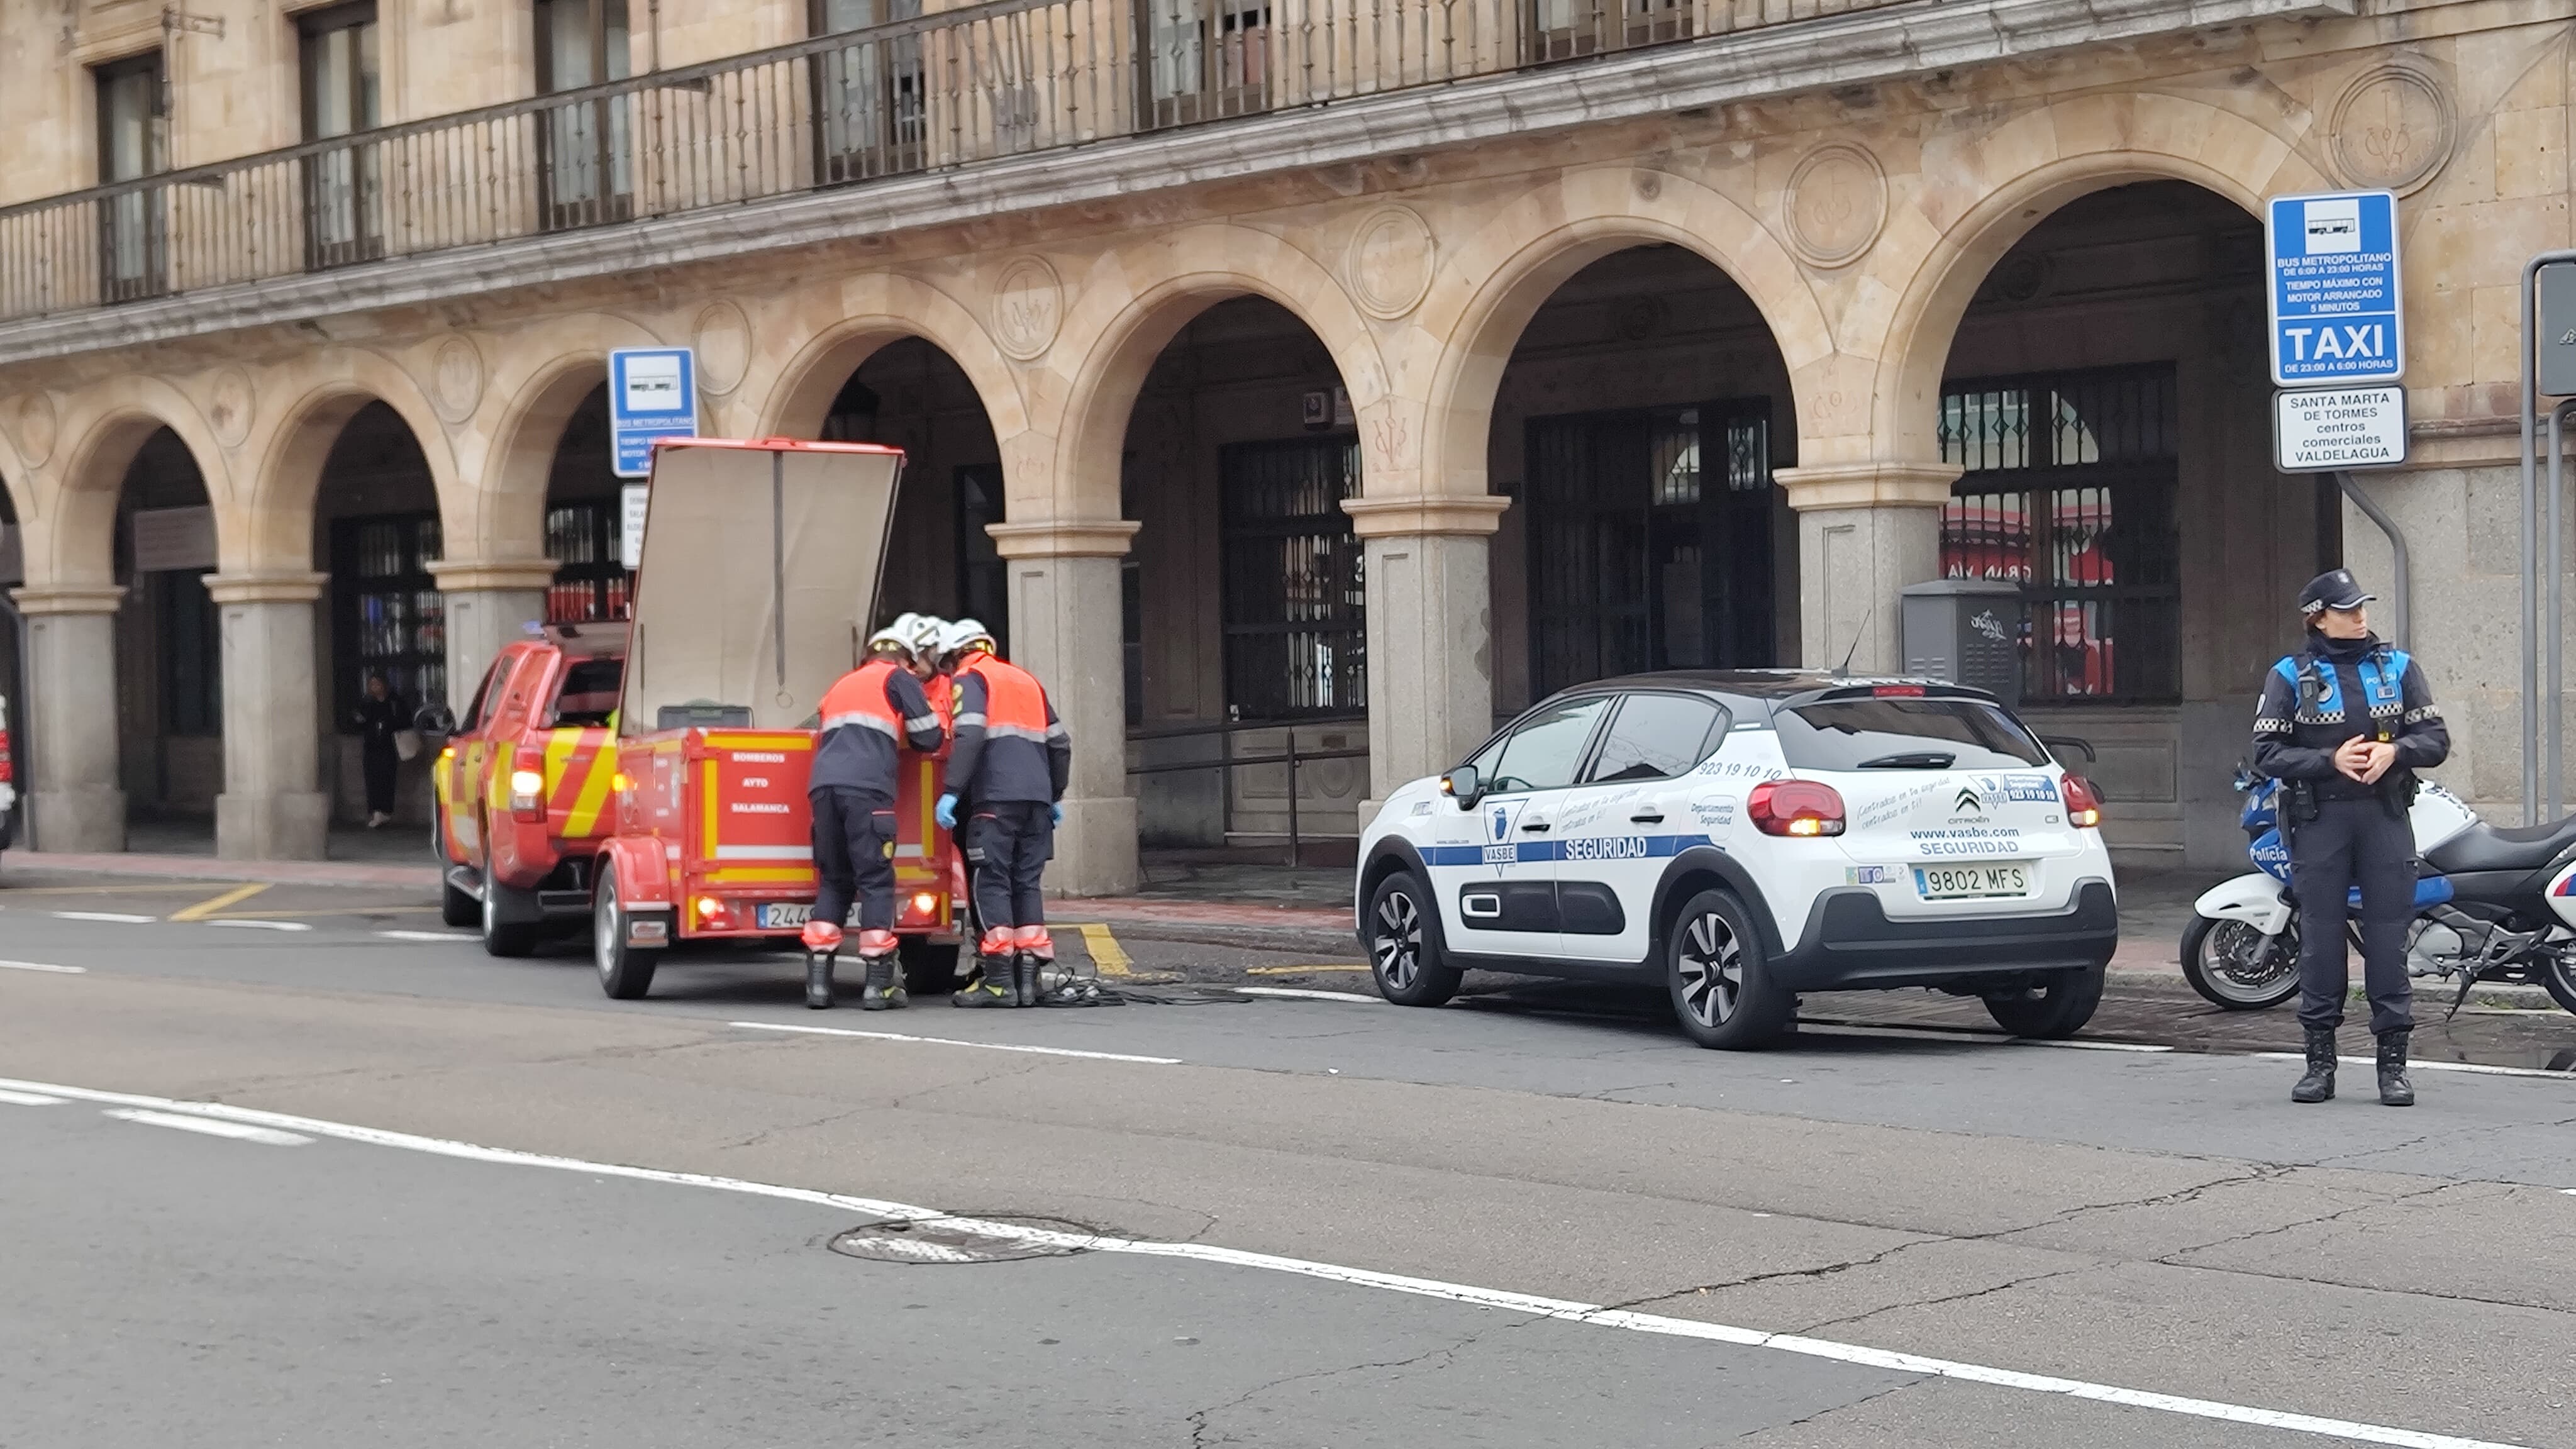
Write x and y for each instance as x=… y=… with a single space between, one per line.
x=581 y=765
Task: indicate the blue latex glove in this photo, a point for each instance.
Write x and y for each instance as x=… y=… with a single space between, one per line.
x=946 y=814
x=1058 y=812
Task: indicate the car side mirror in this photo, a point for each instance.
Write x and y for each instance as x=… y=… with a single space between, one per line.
x=1463 y=786
x=434 y=721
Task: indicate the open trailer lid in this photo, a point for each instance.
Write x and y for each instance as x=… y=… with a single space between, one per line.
x=757 y=581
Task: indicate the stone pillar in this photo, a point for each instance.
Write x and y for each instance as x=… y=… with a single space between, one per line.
x=1865 y=530
x=273 y=806
x=70 y=764
x=1065 y=630
x=1430 y=634
x=488 y=605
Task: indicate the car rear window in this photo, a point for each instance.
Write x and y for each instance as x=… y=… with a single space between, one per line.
x=1905 y=734
x=589 y=693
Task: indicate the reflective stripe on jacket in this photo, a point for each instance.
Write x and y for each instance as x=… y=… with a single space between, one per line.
x=867 y=716
x=1010 y=745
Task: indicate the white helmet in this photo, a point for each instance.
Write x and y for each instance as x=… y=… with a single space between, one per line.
x=966 y=634
x=889 y=640
x=923 y=632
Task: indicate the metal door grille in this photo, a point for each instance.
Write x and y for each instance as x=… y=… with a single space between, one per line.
x=1296 y=634
x=2070 y=492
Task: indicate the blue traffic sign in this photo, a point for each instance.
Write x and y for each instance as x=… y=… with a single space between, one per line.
x=652 y=393
x=2337 y=313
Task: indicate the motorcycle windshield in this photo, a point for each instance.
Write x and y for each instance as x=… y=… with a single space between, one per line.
x=757 y=581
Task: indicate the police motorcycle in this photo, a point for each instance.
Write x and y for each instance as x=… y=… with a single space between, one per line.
x=2496 y=905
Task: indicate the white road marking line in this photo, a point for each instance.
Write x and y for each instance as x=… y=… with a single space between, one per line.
x=1558 y=1308
x=29 y=1099
x=119 y=917
x=44 y=966
x=2421 y=1065
x=427 y=935
x=255 y=924
x=990 y=1046
x=1301 y=993
x=210 y=1126
x=1899 y=1031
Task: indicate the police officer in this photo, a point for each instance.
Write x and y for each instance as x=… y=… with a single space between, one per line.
x=866 y=717
x=2346 y=722
x=1012 y=759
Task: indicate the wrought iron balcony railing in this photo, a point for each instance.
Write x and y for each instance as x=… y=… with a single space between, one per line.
x=942 y=90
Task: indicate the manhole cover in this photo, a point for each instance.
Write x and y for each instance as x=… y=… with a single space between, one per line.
x=988 y=1239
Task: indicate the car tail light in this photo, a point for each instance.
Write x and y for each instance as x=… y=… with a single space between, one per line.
x=8 y=772
x=1795 y=807
x=528 y=786
x=2083 y=803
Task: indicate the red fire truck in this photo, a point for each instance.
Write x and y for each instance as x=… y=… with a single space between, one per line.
x=755 y=592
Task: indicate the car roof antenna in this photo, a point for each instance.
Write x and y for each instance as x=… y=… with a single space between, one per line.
x=1843 y=670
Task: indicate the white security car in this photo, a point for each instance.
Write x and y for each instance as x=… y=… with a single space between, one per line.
x=1746 y=836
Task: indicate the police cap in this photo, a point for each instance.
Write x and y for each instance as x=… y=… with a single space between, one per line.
x=2334 y=589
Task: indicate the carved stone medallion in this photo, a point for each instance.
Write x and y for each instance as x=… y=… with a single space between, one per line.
x=456 y=380
x=1390 y=262
x=2393 y=128
x=1028 y=307
x=1835 y=203
x=32 y=422
x=228 y=407
x=722 y=340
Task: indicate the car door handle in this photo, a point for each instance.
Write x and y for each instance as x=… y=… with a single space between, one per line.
x=1535 y=825
x=1648 y=817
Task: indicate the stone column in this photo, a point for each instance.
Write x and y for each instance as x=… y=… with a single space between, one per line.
x=1865 y=530
x=70 y=764
x=1065 y=630
x=489 y=603
x=273 y=806
x=1430 y=633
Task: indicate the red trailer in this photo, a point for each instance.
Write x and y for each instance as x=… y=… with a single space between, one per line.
x=755 y=592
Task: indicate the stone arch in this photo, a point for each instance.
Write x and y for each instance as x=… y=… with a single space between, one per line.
x=1130 y=306
x=834 y=331
x=542 y=376
x=1483 y=298
x=1979 y=195
x=288 y=483
x=75 y=545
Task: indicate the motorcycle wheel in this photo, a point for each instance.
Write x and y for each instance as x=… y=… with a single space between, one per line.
x=2214 y=961
x=2559 y=975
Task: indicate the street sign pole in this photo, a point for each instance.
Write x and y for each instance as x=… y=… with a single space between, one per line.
x=2535 y=345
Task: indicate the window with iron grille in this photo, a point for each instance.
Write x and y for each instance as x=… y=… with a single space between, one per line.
x=1295 y=624
x=392 y=617
x=2069 y=492
x=591 y=582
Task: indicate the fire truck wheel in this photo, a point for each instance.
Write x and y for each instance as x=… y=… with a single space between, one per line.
x=929 y=969
x=505 y=938
x=625 y=973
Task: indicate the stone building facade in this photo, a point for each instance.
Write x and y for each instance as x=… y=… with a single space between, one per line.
x=1358 y=372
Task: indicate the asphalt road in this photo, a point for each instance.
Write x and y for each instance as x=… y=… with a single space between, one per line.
x=1537 y=1217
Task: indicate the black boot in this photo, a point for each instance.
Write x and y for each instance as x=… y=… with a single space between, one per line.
x=1025 y=966
x=818 y=979
x=2394 y=1088
x=884 y=991
x=993 y=988
x=2318 y=1084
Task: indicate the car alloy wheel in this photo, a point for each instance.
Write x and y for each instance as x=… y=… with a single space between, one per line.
x=1712 y=970
x=1395 y=948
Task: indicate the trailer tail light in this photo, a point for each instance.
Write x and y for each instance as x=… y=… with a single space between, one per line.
x=921 y=908
x=2083 y=803
x=1796 y=807
x=528 y=786
x=712 y=914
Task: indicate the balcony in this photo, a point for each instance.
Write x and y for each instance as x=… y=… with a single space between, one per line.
x=943 y=98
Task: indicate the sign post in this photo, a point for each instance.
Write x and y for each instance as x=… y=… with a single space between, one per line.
x=2337 y=313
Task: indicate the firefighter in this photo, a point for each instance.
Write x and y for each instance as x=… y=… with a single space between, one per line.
x=866 y=718
x=1011 y=762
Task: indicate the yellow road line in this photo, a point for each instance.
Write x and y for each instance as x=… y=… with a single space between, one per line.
x=1107 y=955
x=1301 y=970
x=205 y=908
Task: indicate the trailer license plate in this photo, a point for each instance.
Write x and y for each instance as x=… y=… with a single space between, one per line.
x=784 y=915
x=1966 y=882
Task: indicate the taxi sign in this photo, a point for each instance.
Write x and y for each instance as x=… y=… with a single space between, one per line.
x=2336 y=309
x=2346 y=427
x=652 y=393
